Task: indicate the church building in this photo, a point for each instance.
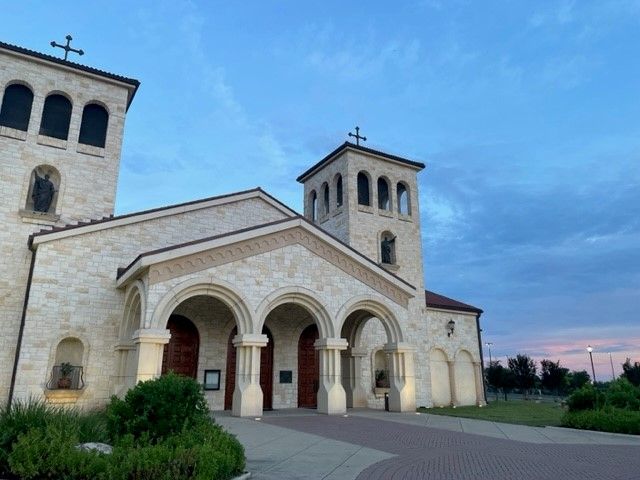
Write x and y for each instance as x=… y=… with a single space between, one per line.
x=264 y=307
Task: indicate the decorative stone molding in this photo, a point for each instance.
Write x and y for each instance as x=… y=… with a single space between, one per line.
x=52 y=142
x=90 y=150
x=255 y=246
x=63 y=396
x=42 y=218
x=13 y=133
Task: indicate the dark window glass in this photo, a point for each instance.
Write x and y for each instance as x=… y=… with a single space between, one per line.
x=56 y=116
x=363 y=189
x=93 y=129
x=16 y=107
x=325 y=198
x=314 y=206
x=339 y=191
x=403 y=200
x=383 y=194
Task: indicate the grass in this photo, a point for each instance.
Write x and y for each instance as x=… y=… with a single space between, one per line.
x=520 y=412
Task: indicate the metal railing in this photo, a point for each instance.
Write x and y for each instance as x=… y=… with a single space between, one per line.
x=74 y=380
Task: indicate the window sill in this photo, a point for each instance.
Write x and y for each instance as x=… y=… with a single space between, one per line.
x=63 y=396
x=390 y=267
x=29 y=216
x=52 y=142
x=90 y=150
x=405 y=218
x=338 y=211
x=380 y=392
x=13 y=133
x=324 y=218
x=365 y=208
x=385 y=213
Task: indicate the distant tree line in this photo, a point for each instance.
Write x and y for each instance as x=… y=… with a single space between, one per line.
x=522 y=373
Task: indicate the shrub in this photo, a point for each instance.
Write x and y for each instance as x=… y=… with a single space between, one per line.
x=622 y=394
x=158 y=408
x=585 y=398
x=606 y=420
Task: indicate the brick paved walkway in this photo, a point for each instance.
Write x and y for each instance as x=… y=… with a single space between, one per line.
x=428 y=453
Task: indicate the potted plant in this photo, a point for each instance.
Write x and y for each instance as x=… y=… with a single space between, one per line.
x=381 y=379
x=66 y=369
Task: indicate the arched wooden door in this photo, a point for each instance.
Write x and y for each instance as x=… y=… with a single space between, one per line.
x=308 y=368
x=181 y=353
x=266 y=371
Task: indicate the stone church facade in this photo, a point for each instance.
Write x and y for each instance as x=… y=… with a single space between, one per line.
x=266 y=308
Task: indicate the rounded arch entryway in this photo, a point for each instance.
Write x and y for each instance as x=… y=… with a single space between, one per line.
x=180 y=355
x=266 y=371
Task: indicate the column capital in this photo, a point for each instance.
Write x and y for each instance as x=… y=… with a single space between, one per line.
x=250 y=340
x=152 y=335
x=331 y=344
x=400 y=347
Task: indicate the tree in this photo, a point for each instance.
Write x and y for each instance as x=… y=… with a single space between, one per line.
x=500 y=378
x=631 y=372
x=577 y=379
x=524 y=372
x=553 y=376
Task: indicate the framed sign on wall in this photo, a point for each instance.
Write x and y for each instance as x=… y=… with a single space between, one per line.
x=212 y=379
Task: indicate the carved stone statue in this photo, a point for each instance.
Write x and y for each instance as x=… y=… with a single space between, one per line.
x=42 y=194
x=386 y=245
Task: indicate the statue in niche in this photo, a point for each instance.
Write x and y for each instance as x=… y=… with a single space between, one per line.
x=387 y=248
x=42 y=194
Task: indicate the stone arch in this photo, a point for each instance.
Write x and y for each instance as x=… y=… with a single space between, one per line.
x=71 y=348
x=440 y=384
x=51 y=174
x=56 y=115
x=364 y=188
x=462 y=352
x=299 y=296
x=135 y=306
x=465 y=381
x=220 y=290
x=387 y=241
x=17 y=103
x=360 y=309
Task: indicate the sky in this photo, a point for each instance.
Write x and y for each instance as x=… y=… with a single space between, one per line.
x=527 y=115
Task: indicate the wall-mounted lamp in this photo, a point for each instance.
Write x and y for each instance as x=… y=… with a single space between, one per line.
x=450 y=327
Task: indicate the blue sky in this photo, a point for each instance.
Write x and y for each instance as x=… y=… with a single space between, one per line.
x=527 y=115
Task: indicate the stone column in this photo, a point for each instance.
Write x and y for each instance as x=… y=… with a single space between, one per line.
x=402 y=382
x=248 y=397
x=150 y=344
x=452 y=382
x=332 y=398
x=477 y=370
x=352 y=359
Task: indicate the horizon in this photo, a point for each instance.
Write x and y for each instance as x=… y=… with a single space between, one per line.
x=525 y=115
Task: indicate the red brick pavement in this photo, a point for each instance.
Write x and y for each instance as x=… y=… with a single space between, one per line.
x=429 y=453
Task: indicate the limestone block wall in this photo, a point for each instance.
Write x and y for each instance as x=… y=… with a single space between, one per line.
x=88 y=180
x=74 y=294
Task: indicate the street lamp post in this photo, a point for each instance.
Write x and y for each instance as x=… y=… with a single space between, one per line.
x=593 y=370
x=489 y=345
x=613 y=373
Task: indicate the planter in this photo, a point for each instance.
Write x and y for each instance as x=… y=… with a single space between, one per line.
x=64 y=383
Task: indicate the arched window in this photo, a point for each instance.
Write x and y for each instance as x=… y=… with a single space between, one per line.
x=16 y=107
x=56 y=116
x=313 y=206
x=404 y=206
x=325 y=199
x=364 y=196
x=388 y=248
x=44 y=185
x=383 y=194
x=93 y=129
x=339 y=191
x=67 y=368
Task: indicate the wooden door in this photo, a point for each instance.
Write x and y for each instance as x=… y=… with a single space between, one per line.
x=308 y=368
x=181 y=353
x=266 y=371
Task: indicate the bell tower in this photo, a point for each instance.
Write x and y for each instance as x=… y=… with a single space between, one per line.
x=369 y=200
x=61 y=128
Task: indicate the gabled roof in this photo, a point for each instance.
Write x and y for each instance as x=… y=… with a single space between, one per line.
x=76 y=66
x=307 y=231
x=435 y=300
x=358 y=148
x=108 y=222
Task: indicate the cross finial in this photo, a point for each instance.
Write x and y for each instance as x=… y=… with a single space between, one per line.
x=357 y=136
x=67 y=48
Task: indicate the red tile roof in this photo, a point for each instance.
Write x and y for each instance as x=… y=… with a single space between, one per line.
x=435 y=300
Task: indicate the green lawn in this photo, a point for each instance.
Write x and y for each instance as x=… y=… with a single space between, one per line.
x=512 y=411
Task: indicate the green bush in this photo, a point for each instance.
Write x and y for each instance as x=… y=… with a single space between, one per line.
x=622 y=394
x=584 y=398
x=614 y=420
x=25 y=417
x=158 y=408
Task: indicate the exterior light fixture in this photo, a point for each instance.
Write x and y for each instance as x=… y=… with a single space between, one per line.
x=450 y=327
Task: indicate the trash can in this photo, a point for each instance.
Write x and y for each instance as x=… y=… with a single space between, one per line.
x=386 y=402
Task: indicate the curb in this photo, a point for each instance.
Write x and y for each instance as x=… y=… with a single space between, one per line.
x=598 y=432
x=242 y=476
